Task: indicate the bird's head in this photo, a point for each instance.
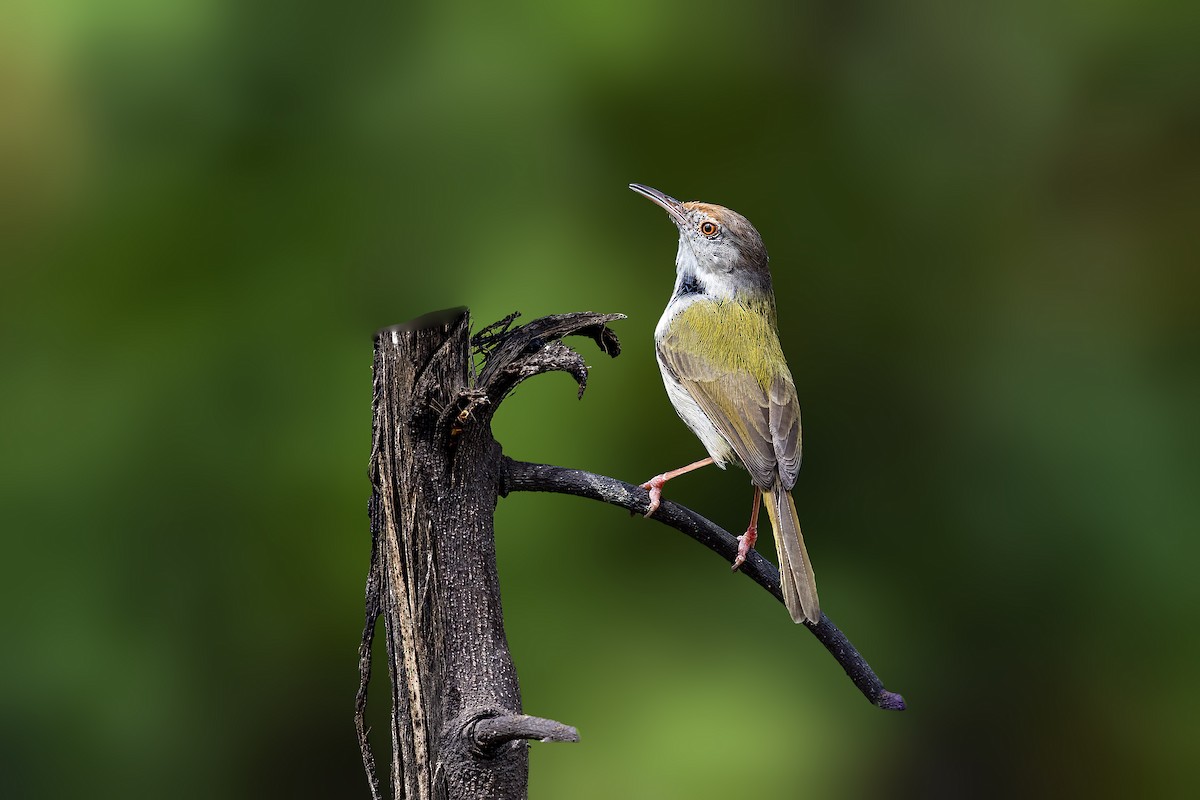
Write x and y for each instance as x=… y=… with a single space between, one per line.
x=719 y=246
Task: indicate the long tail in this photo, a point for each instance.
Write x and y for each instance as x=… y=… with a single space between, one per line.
x=795 y=570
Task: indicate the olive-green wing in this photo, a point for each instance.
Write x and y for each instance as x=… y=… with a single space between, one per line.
x=786 y=436
x=762 y=425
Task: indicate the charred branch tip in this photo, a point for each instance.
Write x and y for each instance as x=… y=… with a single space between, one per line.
x=490 y=733
x=513 y=354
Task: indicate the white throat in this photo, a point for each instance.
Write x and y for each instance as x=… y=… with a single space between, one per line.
x=716 y=278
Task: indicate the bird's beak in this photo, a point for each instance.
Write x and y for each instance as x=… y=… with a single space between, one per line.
x=672 y=206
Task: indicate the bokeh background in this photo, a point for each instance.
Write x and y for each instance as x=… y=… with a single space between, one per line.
x=983 y=224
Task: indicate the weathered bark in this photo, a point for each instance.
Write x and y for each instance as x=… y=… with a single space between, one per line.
x=456 y=726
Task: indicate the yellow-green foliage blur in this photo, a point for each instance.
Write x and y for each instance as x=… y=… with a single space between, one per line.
x=982 y=225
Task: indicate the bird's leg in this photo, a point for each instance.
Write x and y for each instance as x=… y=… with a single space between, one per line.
x=655 y=484
x=746 y=540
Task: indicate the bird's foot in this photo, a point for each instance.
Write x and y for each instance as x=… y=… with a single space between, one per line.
x=654 y=486
x=745 y=545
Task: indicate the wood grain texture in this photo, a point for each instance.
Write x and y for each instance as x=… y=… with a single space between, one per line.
x=435 y=473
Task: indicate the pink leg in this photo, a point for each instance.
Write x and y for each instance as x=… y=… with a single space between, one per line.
x=746 y=540
x=655 y=484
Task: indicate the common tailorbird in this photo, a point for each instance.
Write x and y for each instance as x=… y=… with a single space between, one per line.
x=718 y=348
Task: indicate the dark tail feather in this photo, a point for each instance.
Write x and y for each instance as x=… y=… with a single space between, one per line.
x=795 y=570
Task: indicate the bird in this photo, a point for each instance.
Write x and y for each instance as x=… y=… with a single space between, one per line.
x=717 y=346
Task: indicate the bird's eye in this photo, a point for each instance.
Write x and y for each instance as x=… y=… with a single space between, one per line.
x=709 y=228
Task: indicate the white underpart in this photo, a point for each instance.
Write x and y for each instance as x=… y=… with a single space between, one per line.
x=717 y=285
x=695 y=418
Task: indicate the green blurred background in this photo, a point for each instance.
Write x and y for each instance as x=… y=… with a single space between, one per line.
x=983 y=226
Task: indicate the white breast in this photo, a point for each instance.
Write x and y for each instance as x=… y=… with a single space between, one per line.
x=687 y=408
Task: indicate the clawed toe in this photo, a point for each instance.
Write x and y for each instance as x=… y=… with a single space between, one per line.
x=745 y=545
x=654 y=487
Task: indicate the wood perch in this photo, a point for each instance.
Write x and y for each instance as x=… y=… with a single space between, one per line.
x=523 y=477
x=457 y=727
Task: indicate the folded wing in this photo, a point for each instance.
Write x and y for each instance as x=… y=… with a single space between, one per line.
x=755 y=409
